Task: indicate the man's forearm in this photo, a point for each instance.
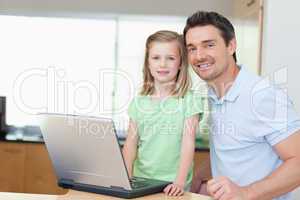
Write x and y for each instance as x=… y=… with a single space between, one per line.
x=281 y=181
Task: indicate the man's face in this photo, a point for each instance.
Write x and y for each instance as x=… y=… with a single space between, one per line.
x=208 y=53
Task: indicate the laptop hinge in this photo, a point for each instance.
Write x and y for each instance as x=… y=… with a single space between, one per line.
x=66 y=183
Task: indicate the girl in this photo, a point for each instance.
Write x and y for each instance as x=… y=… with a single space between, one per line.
x=163 y=118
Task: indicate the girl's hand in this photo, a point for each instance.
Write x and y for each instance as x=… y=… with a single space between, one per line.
x=174 y=189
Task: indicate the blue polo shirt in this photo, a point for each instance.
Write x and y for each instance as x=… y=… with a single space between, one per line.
x=252 y=117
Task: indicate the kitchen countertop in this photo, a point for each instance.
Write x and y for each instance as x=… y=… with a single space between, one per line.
x=32 y=134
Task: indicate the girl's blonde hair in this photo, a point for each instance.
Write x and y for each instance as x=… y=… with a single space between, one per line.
x=183 y=80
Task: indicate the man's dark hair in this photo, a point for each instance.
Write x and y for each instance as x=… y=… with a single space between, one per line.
x=204 y=18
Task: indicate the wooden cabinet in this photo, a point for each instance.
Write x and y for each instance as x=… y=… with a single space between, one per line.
x=40 y=176
x=12 y=167
x=26 y=167
x=248 y=16
x=246 y=7
x=202 y=164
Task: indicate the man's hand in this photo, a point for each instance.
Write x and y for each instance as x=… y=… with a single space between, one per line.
x=222 y=188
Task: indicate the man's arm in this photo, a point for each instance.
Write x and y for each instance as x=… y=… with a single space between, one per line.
x=282 y=180
x=286 y=177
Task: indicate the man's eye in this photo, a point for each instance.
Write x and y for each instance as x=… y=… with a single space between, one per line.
x=211 y=45
x=191 y=49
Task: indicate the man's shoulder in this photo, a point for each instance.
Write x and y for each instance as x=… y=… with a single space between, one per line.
x=250 y=77
x=253 y=84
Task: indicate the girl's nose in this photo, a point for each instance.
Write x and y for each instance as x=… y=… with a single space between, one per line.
x=162 y=63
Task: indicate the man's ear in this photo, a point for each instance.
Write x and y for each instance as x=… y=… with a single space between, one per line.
x=232 y=46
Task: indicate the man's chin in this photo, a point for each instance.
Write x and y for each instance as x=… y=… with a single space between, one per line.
x=205 y=78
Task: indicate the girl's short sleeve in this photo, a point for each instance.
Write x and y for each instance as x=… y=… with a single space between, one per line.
x=193 y=104
x=132 y=109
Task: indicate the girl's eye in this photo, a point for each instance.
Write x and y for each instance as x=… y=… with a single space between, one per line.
x=155 y=57
x=171 y=58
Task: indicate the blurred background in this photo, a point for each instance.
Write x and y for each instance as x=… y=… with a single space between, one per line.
x=86 y=57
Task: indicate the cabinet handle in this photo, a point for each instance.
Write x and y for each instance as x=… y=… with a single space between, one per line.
x=250 y=3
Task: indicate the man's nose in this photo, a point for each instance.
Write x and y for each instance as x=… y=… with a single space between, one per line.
x=200 y=55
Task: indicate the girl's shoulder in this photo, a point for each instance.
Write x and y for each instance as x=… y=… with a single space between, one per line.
x=135 y=106
x=193 y=103
x=138 y=100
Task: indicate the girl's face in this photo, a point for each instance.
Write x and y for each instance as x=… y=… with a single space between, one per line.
x=164 y=61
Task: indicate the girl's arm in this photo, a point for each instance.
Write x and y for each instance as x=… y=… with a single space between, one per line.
x=187 y=148
x=186 y=156
x=130 y=147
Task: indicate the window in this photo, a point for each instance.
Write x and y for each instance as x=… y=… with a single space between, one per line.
x=54 y=64
x=75 y=66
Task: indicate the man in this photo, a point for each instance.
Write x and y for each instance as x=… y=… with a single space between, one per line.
x=255 y=132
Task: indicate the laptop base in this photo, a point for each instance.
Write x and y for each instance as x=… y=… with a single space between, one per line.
x=115 y=191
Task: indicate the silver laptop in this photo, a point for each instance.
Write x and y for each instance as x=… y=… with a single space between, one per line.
x=86 y=156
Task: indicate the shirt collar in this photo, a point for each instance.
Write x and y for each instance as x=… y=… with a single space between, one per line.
x=233 y=92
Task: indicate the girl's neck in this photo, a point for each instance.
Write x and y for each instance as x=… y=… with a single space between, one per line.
x=163 y=90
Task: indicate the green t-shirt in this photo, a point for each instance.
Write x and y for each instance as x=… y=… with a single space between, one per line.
x=160 y=128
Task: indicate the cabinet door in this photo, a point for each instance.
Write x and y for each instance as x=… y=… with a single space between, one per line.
x=40 y=176
x=12 y=157
x=202 y=165
x=248 y=26
x=246 y=7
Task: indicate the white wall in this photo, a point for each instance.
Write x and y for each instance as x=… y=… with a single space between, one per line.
x=96 y=7
x=281 y=43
